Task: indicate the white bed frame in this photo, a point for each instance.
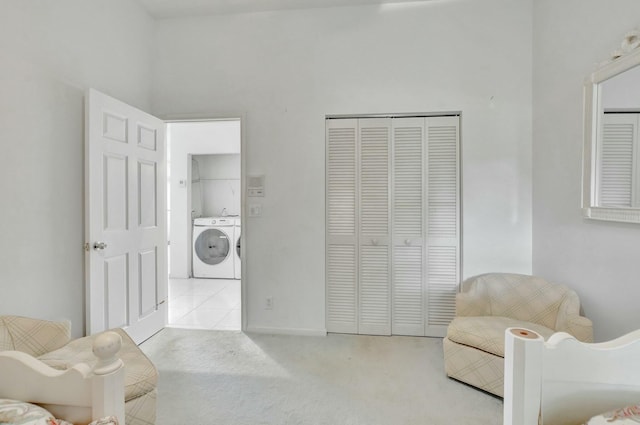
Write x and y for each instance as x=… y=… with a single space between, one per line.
x=79 y=394
x=564 y=381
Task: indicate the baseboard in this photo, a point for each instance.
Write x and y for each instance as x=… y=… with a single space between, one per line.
x=287 y=331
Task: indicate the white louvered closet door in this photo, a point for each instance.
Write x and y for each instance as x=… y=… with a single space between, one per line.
x=443 y=222
x=374 y=230
x=408 y=289
x=618 y=178
x=341 y=199
x=393 y=232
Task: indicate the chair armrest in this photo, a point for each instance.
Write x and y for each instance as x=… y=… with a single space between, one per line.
x=35 y=336
x=470 y=305
x=580 y=327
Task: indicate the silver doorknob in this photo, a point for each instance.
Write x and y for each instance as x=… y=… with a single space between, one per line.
x=407 y=241
x=98 y=246
x=374 y=241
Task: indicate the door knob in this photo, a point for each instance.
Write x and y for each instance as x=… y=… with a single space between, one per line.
x=374 y=241
x=99 y=246
x=407 y=241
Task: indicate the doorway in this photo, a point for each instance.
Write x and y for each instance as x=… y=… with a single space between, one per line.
x=204 y=193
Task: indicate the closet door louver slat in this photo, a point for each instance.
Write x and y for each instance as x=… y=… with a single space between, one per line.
x=374 y=290
x=616 y=173
x=374 y=279
x=408 y=294
x=374 y=179
x=341 y=260
x=443 y=218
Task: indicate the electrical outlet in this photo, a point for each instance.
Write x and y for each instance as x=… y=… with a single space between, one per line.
x=268 y=303
x=255 y=210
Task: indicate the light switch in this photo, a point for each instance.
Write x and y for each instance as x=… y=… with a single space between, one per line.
x=255 y=186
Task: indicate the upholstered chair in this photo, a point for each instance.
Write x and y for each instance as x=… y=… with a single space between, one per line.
x=489 y=304
x=51 y=343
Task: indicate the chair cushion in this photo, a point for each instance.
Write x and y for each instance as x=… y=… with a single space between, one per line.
x=140 y=374
x=32 y=336
x=486 y=333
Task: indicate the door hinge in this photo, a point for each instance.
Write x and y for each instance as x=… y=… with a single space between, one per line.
x=86 y=246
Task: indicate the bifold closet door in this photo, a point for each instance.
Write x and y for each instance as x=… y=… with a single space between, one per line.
x=408 y=283
x=393 y=214
x=341 y=223
x=443 y=221
x=374 y=287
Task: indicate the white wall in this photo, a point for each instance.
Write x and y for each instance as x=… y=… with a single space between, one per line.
x=287 y=70
x=622 y=91
x=220 y=182
x=50 y=52
x=187 y=139
x=598 y=259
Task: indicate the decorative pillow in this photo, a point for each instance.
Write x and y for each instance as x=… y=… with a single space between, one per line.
x=629 y=415
x=20 y=413
x=109 y=420
x=14 y=412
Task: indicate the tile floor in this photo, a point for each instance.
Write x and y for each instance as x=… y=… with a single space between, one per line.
x=204 y=304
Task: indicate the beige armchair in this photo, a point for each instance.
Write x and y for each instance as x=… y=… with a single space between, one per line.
x=489 y=304
x=51 y=343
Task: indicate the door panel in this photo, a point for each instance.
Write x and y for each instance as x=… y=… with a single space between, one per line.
x=115 y=188
x=116 y=277
x=408 y=286
x=374 y=187
x=126 y=260
x=375 y=305
x=341 y=224
x=443 y=222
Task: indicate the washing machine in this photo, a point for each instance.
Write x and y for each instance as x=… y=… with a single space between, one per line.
x=213 y=247
x=237 y=264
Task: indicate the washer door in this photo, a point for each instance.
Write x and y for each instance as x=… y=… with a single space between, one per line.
x=212 y=246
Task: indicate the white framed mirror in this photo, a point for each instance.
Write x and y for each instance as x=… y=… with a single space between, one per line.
x=611 y=162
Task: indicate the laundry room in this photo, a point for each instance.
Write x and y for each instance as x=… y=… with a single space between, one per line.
x=215 y=198
x=204 y=207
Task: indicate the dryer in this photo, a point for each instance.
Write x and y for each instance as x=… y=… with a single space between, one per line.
x=236 y=251
x=213 y=247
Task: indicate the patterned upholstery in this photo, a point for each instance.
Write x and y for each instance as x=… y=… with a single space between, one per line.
x=32 y=336
x=140 y=375
x=487 y=305
x=474 y=367
x=487 y=333
x=141 y=410
x=49 y=341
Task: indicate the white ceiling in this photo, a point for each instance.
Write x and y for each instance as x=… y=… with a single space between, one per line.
x=181 y=8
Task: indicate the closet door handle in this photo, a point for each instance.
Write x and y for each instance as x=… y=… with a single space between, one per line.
x=374 y=241
x=407 y=241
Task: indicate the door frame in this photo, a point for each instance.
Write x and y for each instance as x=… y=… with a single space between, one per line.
x=186 y=118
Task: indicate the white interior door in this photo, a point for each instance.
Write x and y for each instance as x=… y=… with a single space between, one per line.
x=125 y=204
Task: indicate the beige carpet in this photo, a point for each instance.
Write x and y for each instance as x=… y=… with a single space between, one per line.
x=230 y=378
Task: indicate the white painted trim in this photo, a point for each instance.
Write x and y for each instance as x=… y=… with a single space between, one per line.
x=625 y=215
x=592 y=113
x=242 y=116
x=287 y=331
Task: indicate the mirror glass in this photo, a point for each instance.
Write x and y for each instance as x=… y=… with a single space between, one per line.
x=618 y=179
x=612 y=141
